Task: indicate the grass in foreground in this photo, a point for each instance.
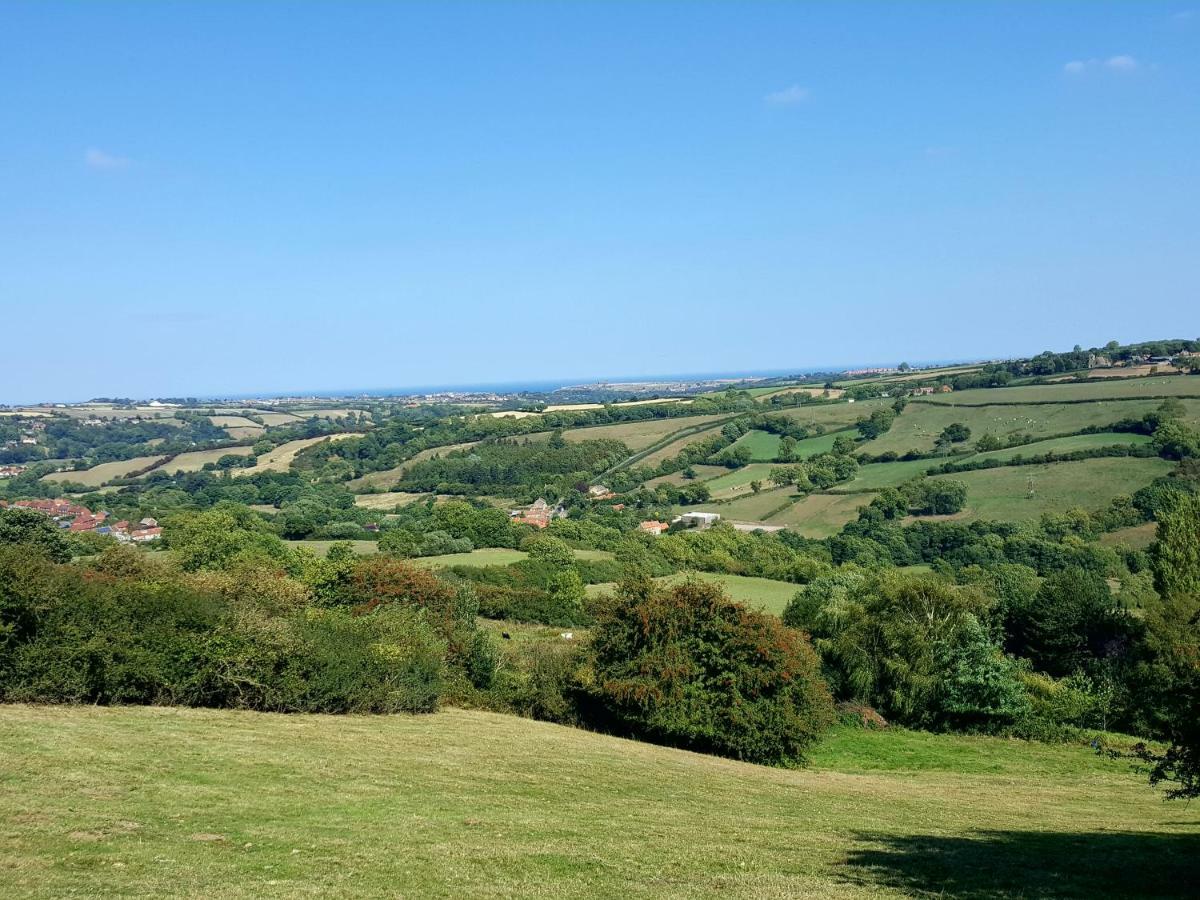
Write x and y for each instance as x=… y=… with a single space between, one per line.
x=209 y=803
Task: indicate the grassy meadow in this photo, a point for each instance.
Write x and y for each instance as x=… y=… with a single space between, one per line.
x=640 y=434
x=1100 y=389
x=821 y=515
x=1003 y=493
x=196 y=460
x=203 y=803
x=763 y=445
x=280 y=458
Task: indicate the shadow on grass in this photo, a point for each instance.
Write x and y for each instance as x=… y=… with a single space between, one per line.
x=994 y=864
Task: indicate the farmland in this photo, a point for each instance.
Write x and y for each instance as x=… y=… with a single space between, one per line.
x=105 y=472
x=1109 y=389
x=763 y=446
x=820 y=515
x=1067 y=444
x=155 y=801
x=385 y=501
x=388 y=478
x=493 y=557
x=640 y=434
x=1003 y=493
x=919 y=426
x=194 y=461
x=280 y=458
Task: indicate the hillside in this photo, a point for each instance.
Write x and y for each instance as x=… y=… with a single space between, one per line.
x=203 y=803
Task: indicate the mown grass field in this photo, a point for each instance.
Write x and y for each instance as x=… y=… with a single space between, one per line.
x=1139 y=537
x=201 y=803
x=105 y=472
x=749 y=507
x=233 y=422
x=1003 y=493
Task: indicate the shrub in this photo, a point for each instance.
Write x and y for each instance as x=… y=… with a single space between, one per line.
x=689 y=667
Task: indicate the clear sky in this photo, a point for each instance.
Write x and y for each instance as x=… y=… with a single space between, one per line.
x=209 y=198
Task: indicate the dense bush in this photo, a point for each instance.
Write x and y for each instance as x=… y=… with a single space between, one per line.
x=687 y=666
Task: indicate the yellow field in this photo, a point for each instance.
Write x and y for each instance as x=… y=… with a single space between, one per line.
x=276 y=418
x=385 y=501
x=233 y=422
x=105 y=472
x=280 y=459
x=195 y=460
x=387 y=478
x=638 y=435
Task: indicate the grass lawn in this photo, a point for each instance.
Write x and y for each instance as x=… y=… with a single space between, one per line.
x=203 y=803
x=763 y=445
x=820 y=515
x=105 y=472
x=1003 y=493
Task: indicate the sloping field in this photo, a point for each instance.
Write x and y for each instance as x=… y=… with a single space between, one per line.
x=195 y=460
x=105 y=472
x=820 y=515
x=233 y=422
x=918 y=427
x=280 y=459
x=762 y=593
x=764 y=446
x=277 y=418
x=676 y=478
x=387 y=478
x=753 y=507
x=874 y=476
x=833 y=415
x=204 y=803
x=638 y=435
x=1067 y=444
x=674 y=448
x=1155 y=386
x=1139 y=537
x=385 y=501
x=1003 y=493
x=723 y=485
x=494 y=556
x=250 y=432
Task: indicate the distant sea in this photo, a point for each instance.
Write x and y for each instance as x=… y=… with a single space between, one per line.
x=545 y=386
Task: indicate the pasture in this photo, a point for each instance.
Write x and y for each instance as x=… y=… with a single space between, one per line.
x=105 y=472
x=763 y=445
x=321 y=548
x=493 y=556
x=1067 y=444
x=733 y=482
x=1004 y=493
x=673 y=448
x=233 y=422
x=703 y=473
x=821 y=515
x=919 y=426
x=280 y=458
x=874 y=476
x=749 y=507
x=1104 y=389
x=203 y=803
x=1138 y=537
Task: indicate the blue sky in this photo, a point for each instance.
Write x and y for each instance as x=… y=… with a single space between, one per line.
x=209 y=198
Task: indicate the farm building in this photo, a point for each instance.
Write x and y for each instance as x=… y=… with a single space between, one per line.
x=698 y=519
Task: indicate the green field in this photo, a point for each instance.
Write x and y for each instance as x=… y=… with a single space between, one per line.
x=321 y=548
x=752 y=507
x=1003 y=493
x=387 y=501
x=1139 y=537
x=1067 y=444
x=676 y=478
x=673 y=448
x=762 y=593
x=105 y=472
x=821 y=515
x=763 y=445
x=918 y=427
x=1099 y=389
x=202 y=803
x=722 y=485
x=874 y=476
x=833 y=415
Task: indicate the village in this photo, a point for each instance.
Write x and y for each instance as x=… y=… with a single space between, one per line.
x=77 y=519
